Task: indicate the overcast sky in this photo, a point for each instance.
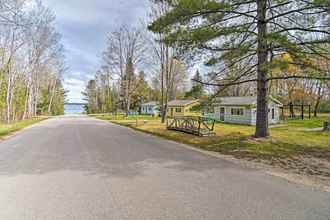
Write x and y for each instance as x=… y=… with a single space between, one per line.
x=84 y=25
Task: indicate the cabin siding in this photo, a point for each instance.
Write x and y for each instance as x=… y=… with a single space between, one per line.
x=238 y=119
x=185 y=110
x=277 y=113
x=250 y=114
x=149 y=110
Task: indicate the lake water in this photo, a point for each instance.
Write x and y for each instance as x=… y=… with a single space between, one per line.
x=73 y=108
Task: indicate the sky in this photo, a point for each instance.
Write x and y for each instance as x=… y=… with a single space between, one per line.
x=84 y=25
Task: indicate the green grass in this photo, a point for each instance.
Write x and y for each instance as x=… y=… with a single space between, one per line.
x=295 y=145
x=292 y=138
x=6 y=129
x=122 y=117
x=309 y=123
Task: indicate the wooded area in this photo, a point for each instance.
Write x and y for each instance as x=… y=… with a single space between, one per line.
x=248 y=40
x=31 y=61
x=241 y=48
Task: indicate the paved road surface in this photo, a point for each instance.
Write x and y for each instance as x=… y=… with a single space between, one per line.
x=82 y=168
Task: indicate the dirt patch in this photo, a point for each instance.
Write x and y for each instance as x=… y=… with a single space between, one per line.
x=305 y=166
x=307 y=170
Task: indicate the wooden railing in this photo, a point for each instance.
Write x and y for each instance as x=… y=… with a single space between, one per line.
x=193 y=125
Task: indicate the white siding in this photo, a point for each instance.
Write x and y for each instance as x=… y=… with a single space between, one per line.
x=276 y=118
x=238 y=119
x=253 y=116
x=148 y=109
x=217 y=112
x=250 y=114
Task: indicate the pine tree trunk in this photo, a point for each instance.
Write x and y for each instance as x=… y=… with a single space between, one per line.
x=318 y=99
x=162 y=104
x=262 y=104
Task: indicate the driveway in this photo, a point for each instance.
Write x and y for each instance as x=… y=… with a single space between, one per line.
x=81 y=168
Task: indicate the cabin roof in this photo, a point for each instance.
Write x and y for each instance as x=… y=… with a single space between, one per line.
x=181 y=102
x=150 y=104
x=243 y=100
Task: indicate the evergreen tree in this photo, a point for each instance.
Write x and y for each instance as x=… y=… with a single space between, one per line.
x=142 y=93
x=197 y=89
x=251 y=33
x=91 y=97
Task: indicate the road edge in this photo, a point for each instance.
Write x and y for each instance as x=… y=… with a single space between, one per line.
x=276 y=172
x=17 y=132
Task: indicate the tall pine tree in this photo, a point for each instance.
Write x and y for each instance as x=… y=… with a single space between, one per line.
x=251 y=33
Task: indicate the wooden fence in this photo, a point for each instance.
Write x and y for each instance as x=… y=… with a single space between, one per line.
x=292 y=111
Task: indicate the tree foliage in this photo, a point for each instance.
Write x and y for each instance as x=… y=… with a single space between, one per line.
x=251 y=33
x=31 y=61
x=197 y=89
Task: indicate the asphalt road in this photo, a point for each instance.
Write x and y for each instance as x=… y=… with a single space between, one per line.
x=82 y=168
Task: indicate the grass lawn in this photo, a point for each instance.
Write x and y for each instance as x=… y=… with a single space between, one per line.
x=121 y=117
x=6 y=129
x=291 y=137
x=291 y=140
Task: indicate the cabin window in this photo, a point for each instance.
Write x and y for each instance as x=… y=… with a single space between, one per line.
x=178 y=110
x=237 y=111
x=222 y=111
x=273 y=113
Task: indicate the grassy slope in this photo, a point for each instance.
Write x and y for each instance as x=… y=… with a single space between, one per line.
x=290 y=139
x=6 y=129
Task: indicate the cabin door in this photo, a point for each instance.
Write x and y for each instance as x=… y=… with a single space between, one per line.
x=222 y=114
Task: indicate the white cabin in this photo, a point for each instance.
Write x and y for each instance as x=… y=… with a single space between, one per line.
x=150 y=108
x=243 y=110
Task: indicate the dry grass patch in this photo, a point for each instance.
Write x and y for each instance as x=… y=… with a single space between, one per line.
x=6 y=129
x=290 y=146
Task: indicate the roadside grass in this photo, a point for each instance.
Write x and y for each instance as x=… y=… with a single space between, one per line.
x=294 y=145
x=291 y=138
x=6 y=129
x=122 y=117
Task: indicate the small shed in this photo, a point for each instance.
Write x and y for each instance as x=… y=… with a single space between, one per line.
x=178 y=108
x=150 y=108
x=243 y=110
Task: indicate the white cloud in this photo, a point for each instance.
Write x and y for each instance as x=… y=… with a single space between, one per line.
x=84 y=25
x=75 y=88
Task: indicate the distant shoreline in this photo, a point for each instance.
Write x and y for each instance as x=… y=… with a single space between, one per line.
x=74 y=108
x=75 y=103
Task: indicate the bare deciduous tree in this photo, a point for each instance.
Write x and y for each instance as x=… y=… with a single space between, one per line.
x=31 y=61
x=125 y=52
x=172 y=70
